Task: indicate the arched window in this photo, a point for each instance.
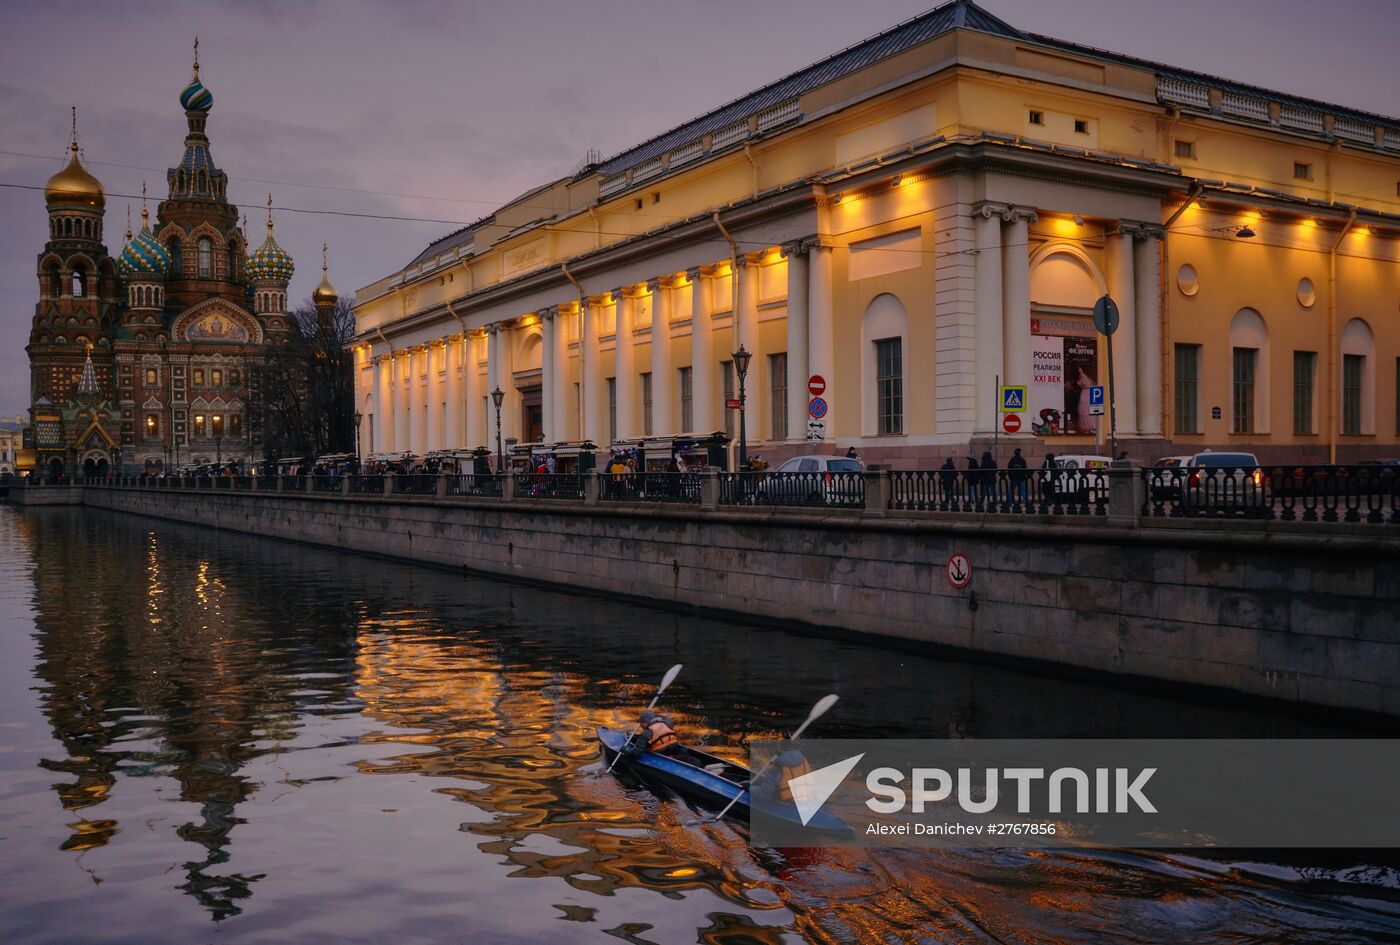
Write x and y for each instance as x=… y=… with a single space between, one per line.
x=1249 y=373
x=67 y=226
x=206 y=258
x=1358 y=379
x=235 y=261
x=79 y=282
x=53 y=281
x=87 y=228
x=177 y=264
x=884 y=333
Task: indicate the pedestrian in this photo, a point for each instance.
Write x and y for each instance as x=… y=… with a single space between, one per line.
x=1048 y=477
x=851 y=453
x=1017 y=466
x=973 y=476
x=989 y=475
x=948 y=479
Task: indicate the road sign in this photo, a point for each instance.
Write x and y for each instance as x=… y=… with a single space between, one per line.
x=1011 y=423
x=817 y=408
x=959 y=570
x=816 y=385
x=733 y=403
x=1106 y=316
x=1013 y=399
x=816 y=430
x=1096 y=401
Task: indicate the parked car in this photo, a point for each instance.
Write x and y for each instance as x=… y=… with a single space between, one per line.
x=812 y=480
x=1224 y=482
x=1079 y=478
x=1166 y=477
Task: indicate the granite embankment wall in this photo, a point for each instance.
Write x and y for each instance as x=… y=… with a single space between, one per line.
x=1307 y=613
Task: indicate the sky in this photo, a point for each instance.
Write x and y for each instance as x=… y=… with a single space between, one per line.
x=349 y=111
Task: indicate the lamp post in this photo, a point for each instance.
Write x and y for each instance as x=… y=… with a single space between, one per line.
x=358 y=458
x=741 y=367
x=498 y=397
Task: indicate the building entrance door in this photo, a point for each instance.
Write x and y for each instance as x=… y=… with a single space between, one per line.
x=532 y=419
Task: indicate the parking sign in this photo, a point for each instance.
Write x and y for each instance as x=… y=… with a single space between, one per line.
x=1096 y=401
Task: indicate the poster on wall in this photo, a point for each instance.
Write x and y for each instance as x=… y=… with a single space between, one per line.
x=1064 y=365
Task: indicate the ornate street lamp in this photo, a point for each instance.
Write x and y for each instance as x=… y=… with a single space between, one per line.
x=358 y=417
x=498 y=397
x=741 y=367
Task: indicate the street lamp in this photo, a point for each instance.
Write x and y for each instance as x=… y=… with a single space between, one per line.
x=741 y=367
x=358 y=417
x=498 y=397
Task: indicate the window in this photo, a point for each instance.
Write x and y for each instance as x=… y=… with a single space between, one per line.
x=176 y=261
x=152 y=425
x=235 y=378
x=1188 y=376
x=1036 y=117
x=1081 y=126
x=646 y=404
x=152 y=377
x=889 y=386
x=235 y=424
x=216 y=378
x=218 y=424
x=1184 y=149
x=1353 y=366
x=777 y=385
x=687 y=400
x=612 y=410
x=79 y=282
x=727 y=369
x=1246 y=359
x=1302 y=171
x=199 y=376
x=206 y=259
x=1304 y=373
x=199 y=424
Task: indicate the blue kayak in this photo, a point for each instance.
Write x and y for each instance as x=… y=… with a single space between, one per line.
x=711 y=782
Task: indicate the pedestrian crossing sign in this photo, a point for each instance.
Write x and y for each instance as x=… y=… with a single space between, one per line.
x=1013 y=399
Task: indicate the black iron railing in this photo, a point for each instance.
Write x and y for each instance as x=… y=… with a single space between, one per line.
x=530 y=485
x=649 y=487
x=372 y=484
x=475 y=484
x=416 y=484
x=325 y=484
x=815 y=489
x=1002 y=491
x=1363 y=493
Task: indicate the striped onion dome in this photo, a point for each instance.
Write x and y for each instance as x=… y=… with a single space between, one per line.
x=144 y=256
x=195 y=97
x=270 y=263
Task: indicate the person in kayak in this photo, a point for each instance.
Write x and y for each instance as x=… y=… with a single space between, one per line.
x=776 y=782
x=655 y=735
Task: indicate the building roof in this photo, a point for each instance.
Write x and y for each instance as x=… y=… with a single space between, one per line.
x=958 y=14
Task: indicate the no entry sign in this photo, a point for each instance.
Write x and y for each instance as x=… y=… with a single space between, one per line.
x=1011 y=423
x=816 y=385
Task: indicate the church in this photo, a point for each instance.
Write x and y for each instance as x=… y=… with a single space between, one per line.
x=152 y=359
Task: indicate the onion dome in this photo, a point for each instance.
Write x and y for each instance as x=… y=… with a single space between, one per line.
x=269 y=262
x=324 y=292
x=144 y=256
x=195 y=97
x=74 y=185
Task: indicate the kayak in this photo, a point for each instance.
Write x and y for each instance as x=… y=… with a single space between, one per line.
x=712 y=782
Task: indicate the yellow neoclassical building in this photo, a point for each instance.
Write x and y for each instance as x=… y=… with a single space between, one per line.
x=914 y=220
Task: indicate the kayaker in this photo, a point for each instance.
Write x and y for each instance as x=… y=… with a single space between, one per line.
x=655 y=735
x=776 y=782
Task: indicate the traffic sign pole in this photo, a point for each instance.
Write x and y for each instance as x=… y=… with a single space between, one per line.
x=1106 y=321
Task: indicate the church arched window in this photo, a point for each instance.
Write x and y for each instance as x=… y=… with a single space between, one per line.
x=206 y=258
x=79 y=282
x=177 y=263
x=87 y=228
x=235 y=261
x=67 y=226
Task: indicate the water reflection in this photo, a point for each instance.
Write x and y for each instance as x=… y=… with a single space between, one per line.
x=362 y=751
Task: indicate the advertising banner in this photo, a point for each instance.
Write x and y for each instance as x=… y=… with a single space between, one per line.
x=1064 y=365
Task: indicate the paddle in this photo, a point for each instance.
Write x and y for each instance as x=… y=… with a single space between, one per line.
x=666 y=680
x=818 y=710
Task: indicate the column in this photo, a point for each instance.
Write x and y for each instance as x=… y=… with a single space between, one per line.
x=1118 y=258
x=401 y=395
x=1147 y=279
x=663 y=377
x=746 y=331
x=549 y=378
x=594 y=396
x=477 y=429
x=702 y=354
x=511 y=420
x=988 y=311
x=379 y=430
x=455 y=355
x=797 y=277
x=821 y=339
x=564 y=418
x=1016 y=301
x=422 y=406
x=627 y=426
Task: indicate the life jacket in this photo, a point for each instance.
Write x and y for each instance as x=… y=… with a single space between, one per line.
x=659 y=736
x=785 y=775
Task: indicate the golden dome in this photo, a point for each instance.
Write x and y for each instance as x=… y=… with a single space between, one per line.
x=74 y=184
x=325 y=292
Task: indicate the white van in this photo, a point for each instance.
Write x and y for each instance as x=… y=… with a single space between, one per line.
x=1076 y=483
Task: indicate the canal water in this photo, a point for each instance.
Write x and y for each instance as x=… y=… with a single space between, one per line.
x=216 y=738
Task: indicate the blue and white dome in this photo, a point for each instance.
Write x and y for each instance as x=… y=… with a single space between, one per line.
x=270 y=263
x=195 y=97
x=144 y=256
